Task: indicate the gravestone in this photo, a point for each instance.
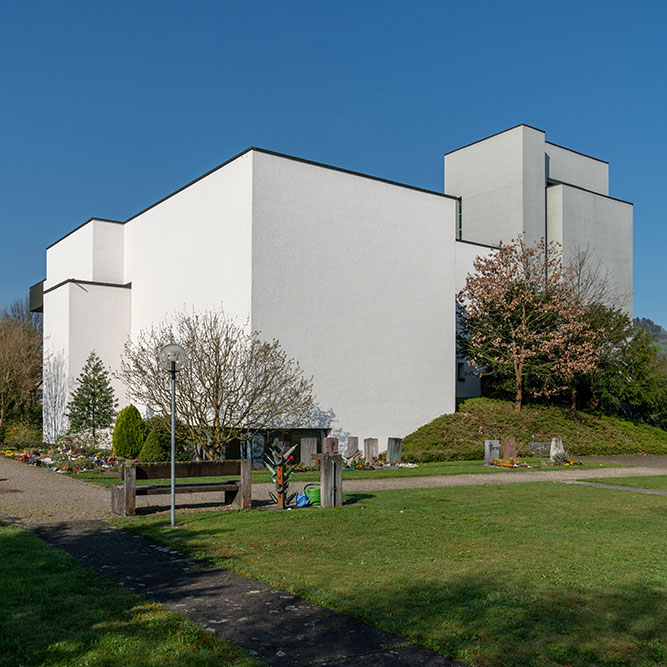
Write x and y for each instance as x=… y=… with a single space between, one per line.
x=491 y=451
x=257 y=451
x=329 y=445
x=556 y=448
x=308 y=451
x=352 y=446
x=509 y=448
x=394 y=446
x=371 y=449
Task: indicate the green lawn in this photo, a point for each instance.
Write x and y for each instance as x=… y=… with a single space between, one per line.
x=528 y=574
x=424 y=470
x=55 y=612
x=658 y=482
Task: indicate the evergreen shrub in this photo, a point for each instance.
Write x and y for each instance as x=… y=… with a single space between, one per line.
x=130 y=432
x=155 y=448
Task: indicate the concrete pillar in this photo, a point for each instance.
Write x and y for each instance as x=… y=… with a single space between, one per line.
x=371 y=449
x=330 y=446
x=331 y=480
x=308 y=450
x=352 y=446
x=491 y=451
x=394 y=446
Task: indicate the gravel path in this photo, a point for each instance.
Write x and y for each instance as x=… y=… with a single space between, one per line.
x=37 y=496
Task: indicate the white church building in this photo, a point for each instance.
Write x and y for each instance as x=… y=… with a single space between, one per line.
x=356 y=276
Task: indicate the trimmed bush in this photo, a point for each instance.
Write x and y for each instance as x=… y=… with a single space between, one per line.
x=155 y=448
x=460 y=436
x=130 y=432
x=163 y=426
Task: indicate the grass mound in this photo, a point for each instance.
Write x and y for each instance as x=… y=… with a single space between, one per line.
x=460 y=436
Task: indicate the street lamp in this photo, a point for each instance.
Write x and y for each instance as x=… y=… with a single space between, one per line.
x=173 y=358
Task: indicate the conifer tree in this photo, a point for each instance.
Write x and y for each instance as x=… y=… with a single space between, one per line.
x=92 y=405
x=155 y=448
x=129 y=433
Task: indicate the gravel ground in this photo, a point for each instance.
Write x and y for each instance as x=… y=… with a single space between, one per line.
x=37 y=496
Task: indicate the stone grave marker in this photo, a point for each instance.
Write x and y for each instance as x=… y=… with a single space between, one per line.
x=352 y=446
x=491 y=451
x=394 y=446
x=509 y=448
x=330 y=446
x=371 y=449
x=556 y=448
x=308 y=450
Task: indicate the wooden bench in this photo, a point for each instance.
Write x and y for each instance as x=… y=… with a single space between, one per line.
x=237 y=493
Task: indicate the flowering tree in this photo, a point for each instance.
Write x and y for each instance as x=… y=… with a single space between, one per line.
x=234 y=385
x=518 y=318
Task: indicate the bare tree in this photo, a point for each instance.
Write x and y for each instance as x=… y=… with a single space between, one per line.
x=19 y=311
x=590 y=281
x=20 y=363
x=235 y=384
x=55 y=394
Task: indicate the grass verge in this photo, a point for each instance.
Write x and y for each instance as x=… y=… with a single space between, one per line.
x=55 y=612
x=424 y=470
x=539 y=574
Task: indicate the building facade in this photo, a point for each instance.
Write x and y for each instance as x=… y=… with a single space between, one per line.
x=356 y=276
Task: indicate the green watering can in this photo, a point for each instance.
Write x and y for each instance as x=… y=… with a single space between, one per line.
x=313 y=492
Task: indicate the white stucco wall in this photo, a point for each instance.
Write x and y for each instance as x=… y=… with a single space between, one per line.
x=71 y=257
x=356 y=279
x=80 y=318
x=580 y=220
x=573 y=168
x=193 y=250
x=108 y=251
x=501 y=182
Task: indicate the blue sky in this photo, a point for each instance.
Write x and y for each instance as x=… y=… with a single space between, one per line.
x=106 y=107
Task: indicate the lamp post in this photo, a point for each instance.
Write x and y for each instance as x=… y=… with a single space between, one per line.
x=173 y=358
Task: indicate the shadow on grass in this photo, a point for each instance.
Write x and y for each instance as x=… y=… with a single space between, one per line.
x=354 y=498
x=483 y=620
x=478 y=619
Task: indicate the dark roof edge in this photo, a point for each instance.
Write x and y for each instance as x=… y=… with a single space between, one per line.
x=87 y=282
x=295 y=159
x=187 y=185
x=599 y=194
x=267 y=152
x=352 y=173
x=83 y=224
x=460 y=148
x=551 y=143
x=482 y=245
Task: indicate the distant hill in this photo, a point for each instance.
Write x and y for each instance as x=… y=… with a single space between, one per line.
x=649 y=325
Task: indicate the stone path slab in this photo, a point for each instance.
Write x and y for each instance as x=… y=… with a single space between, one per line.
x=277 y=627
x=619 y=487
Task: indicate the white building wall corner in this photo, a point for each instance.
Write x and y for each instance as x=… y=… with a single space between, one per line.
x=355 y=278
